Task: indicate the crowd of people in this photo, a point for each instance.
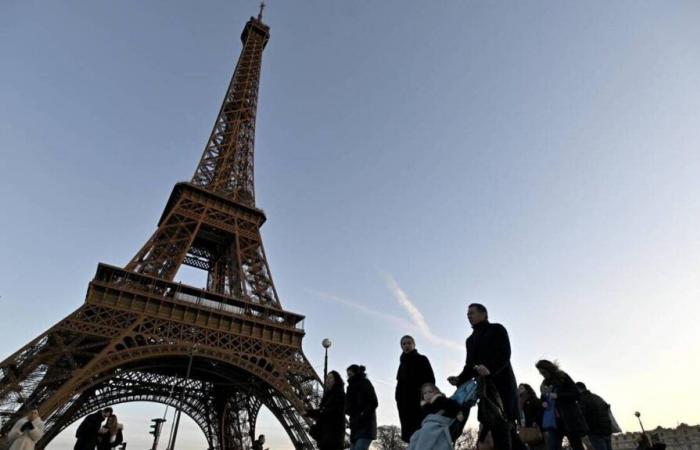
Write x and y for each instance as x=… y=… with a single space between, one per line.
x=92 y=433
x=510 y=416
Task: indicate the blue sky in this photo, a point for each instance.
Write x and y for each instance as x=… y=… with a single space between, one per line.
x=538 y=157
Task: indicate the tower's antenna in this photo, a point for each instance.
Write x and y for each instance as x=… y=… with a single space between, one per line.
x=262 y=7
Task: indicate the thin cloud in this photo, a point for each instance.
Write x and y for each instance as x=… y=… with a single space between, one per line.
x=417 y=316
x=398 y=322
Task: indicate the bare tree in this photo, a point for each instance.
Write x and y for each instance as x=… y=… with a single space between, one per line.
x=389 y=438
x=468 y=439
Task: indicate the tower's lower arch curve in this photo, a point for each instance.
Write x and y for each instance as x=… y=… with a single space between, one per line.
x=223 y=394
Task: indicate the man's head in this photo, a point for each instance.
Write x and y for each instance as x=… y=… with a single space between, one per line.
x=106 y=412
x=261 y=438
x=581 y=387
x=477 y=313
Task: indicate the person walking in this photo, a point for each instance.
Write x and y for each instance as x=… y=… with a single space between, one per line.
x=259 y=442
x=570 y=422
x=89 y=428
x=329 y=429
x=110 y=435
x=596 y=411
x=26 y=432
x=361 y=407
x=531 y=420
x=488 y=357
x=414 y=371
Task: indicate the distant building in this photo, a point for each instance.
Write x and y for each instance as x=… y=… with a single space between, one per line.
x=683 y=437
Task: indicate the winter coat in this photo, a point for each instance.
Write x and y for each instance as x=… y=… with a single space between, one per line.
x=361 y=406
x=87 y=432
x=597 y=414
x=442 y=406
x=450 y=408
x=414 y=371
x=532 y=412
x=570 y=420
x=489 y=345
x=491 y=414
x=25 y=440
x=329 y=429
x=107 y=442
x=434 y=434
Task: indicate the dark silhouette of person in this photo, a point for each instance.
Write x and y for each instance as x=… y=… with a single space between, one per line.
x=414 y=371
x=488 y=357
x=259 y=442
x=110 y=435
x=361 y=408
x=329 y=429
x=88 y=431
x=596 y=411
x=569 y=420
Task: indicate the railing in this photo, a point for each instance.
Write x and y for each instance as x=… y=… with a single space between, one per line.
x=117 y=277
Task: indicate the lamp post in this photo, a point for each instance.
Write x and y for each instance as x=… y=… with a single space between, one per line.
x=178 y=412
x=326 y=344
x=644 y=433
x=639 y=415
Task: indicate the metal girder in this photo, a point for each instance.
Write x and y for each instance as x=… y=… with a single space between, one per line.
x=226 y=165
x=132 y=337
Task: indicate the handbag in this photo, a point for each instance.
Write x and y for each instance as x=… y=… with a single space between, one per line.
x=531 y=435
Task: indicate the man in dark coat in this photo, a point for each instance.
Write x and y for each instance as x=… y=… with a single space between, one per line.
x=488 y=356
x=414 y=371
x=87 y=432
x=596 y=411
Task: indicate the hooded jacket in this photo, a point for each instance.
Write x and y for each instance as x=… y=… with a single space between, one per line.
x=361 y=406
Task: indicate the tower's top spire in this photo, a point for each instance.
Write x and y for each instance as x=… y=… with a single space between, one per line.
x=262 y=7
x=226 y=167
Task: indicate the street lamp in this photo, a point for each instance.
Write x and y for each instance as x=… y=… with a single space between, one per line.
x=639 y=415
x=326 y=344
x=644 y=433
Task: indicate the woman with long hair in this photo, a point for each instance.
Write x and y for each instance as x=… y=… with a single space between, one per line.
x=329 y=429
x=361 y=407
x=531 y=407
x=110 y=435
x=558 y=387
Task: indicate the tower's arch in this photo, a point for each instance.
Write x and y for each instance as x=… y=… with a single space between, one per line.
x=139 y=331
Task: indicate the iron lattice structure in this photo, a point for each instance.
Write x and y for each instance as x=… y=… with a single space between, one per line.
x=132 y=338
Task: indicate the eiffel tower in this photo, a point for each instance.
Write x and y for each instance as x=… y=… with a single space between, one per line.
x=139 y=330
